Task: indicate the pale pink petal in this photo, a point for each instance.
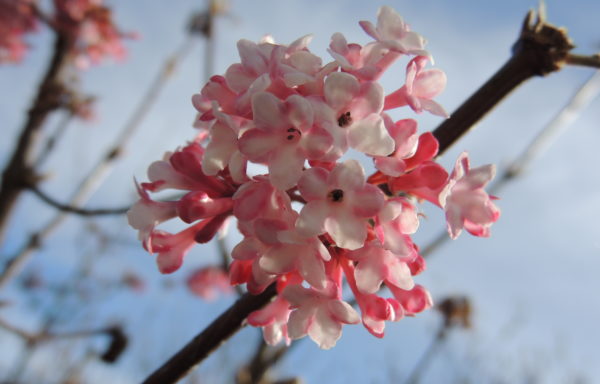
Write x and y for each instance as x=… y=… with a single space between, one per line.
x=433 y=108
x=343 y=312
x=311 y=221
x=299 y=112
x=222 y=145
x=346 y=230
x=266 y=230
x=348 y=175
x=369 y=28
x=370 y=136
x=368 y=275
x=428 y=84
x=399 y=275
x=267 y=111
x=369 y=100
x=299 y=323
x=257 y=144
x=285 y=167
x=280 y=259
x=480 y=176
x=338 y=44
x=313 y=183
x=316 y=142
x=324 y=330
x=251 y=56
x=296 y=294
x=306 y=61
x=390 y=166
x=311 y=268
x=367 y=201
x=247 y=249
x=340 y=88
x=238 y=78
x=300 y=43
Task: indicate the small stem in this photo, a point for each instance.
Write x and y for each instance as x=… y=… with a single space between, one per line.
x=66 y=208
x=19 y=167
x=585 y=61
x=425 y=359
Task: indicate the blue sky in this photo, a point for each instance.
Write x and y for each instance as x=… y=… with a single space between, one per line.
x=533 y=283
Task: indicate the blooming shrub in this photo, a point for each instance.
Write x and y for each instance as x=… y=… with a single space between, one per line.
x=283 y=108
x=88 y=24
x=17 y=18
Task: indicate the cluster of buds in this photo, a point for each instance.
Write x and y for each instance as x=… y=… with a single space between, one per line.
x=313 y=222
x=88 y=25
x=95 y=35
x=17 y=18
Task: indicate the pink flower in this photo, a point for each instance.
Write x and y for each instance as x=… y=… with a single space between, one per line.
x=172 y=248
x=465 y=202
x=222 y=150
x=183 y=170
x=91 y=26
x=350 y=110
x=375 y=310
x=274 y=321
x=376 y=265
x=293 y=252
x=392 y=32
x=146 y=214
x=367 y=63
x=394 y=224
x=318 y=315
x=412 y=301
x=206 y=282
x=284 y=137
x=338 y=202
x=420 y=88
x=17 y=18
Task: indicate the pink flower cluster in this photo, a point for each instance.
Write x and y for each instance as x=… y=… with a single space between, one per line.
x=313 y=221
x=87 y=23
x=17 y=18
x=90 y=23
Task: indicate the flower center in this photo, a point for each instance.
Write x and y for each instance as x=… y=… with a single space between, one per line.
x=336 y=195
x=345 y=119
x=293 y=134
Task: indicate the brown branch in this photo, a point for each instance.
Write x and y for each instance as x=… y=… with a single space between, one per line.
x=100 y=170
x=18 y=170
x=211 y=338
x=66 y=208
x=540 y=50
x=585 y=61
x=45 y=336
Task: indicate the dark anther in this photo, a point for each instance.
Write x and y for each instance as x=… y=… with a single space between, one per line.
x=336 y=195
x=294 y=133
x=345 y=119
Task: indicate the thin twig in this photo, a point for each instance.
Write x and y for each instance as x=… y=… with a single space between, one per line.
x=439 y=338
x=19 y=170
x=100 y=170
x=586 y=61
x=76 y=210
x=45 y=336
x=52 y=140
